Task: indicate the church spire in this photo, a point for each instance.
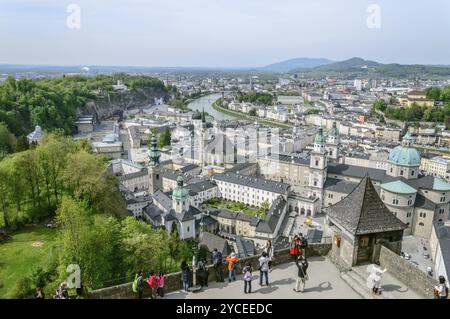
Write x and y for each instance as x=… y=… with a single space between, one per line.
x=203 y=115
x=153 y=153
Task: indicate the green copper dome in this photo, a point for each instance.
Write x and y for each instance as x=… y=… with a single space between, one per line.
x=153 y=153
x=334 y=130
x=320 y=139
x=180 y=191
x=404 y=154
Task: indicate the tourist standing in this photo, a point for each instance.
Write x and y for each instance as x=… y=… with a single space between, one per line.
x=203 y=273
x=441 y=290
x=161 y=280
x=39 y=294
x=185 y=272
x=217 y=262
x=248 y=276
x=61 y=292
x=269 y=251
x=302 y=276
x=232 y=260
x=295 y=247
x=263 y=268
x=153 y=283
x=376 y=276
x=303 y=243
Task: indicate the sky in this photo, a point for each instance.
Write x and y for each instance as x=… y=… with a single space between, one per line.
x=222 y=33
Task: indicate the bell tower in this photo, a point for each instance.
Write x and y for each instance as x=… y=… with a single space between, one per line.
x=154 y=169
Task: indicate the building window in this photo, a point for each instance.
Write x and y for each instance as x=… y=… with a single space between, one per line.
x=401 y=172
x=408 y=214
x=391 y=169
x=382 y=197
x=442 y=199
x=441 y=210
x=330 y=195
x=395 y=201
x=188 y=229
x=409 y=202
x=317 y=163
x=412 y=173
x=421 y=224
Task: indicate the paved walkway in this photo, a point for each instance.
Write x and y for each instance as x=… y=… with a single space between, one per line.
x=324 y=283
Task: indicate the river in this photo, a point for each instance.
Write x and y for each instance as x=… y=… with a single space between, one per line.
x=206 y=103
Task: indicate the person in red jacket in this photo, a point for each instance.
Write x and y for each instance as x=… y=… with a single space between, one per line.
x=153 y=283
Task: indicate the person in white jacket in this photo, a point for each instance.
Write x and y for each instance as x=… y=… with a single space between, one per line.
x=263 y=268
x=375 y=277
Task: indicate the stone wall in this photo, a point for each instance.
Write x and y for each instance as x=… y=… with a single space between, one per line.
x=407 y=273
x=173 y=280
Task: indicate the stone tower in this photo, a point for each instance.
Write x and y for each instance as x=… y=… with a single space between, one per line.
x=333 y=143
x=318 y=166
x=154 y=169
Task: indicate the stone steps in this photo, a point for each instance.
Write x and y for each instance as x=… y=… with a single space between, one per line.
x=354 y=282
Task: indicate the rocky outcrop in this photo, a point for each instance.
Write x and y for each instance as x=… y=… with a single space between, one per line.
x=109 y=104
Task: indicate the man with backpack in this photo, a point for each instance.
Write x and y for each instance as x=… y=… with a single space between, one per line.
x=232 y=262
x=441 y=290
x=247 y=271
x=217 y=262
x=302 y=276
x=137 y=285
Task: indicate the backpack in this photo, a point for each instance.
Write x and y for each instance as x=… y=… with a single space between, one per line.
x=134 y=286
x=247 y=275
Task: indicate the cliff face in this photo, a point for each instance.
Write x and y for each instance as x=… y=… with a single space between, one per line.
x=108 y=104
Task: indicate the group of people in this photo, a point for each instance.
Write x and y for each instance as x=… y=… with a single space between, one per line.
x=154 y=281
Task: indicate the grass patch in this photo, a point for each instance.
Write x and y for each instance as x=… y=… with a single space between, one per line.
x=28 y=248
x=231 y=206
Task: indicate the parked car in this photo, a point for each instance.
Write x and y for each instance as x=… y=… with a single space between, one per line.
x=414 y=263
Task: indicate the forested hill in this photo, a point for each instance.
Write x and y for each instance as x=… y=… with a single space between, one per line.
x=53 y=103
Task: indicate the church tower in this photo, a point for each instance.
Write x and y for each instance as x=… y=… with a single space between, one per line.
x=333 y=143
x=154 y=169
x=180 y=197
x=318 y=166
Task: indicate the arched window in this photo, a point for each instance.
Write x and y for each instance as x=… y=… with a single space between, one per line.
x=421 y=224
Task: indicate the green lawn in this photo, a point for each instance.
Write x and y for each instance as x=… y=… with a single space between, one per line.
x=232 y=206
x=18 y=255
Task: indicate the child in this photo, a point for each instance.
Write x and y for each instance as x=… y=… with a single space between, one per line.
x=247 y=271
x=153 y=283
x=161 y=280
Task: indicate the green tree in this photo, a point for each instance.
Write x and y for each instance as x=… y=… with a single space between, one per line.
x=379 y=105
x=252 y=112
x=164 y=138
x=7 y=141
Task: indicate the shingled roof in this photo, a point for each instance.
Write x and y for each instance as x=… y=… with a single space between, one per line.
x=363 y=212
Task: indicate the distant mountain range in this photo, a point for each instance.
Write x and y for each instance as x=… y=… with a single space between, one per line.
x=292 y=64
x=360 y=67
x=308 y=67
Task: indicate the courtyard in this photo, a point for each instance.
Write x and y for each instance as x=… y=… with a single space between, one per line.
x=324 y=283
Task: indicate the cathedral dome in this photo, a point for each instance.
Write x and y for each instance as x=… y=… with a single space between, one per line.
x=404 y=154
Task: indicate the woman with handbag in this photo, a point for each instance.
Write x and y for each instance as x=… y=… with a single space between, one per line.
x=302 y=276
